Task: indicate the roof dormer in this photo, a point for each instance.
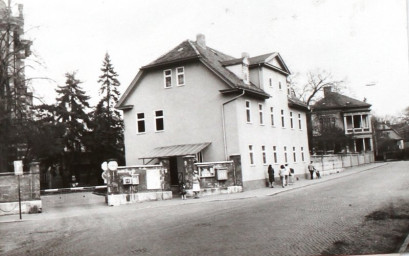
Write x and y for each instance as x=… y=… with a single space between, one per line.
x=240 y=67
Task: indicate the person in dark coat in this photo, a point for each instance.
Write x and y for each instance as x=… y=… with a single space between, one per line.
x=270 y=171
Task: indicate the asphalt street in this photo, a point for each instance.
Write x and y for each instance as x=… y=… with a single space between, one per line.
x=298 y=220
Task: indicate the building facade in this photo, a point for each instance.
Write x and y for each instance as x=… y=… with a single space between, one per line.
x=195 y=100
x=341 y=124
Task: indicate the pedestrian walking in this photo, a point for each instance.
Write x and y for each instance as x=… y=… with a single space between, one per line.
x=311 y=168
x=270 y=171
x=196 y=183
x=287 y=176
x=283 y=174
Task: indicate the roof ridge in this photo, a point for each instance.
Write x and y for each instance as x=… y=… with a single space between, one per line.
x=193 y=46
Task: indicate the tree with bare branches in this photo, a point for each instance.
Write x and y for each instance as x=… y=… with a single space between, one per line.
x=15 y=100
x=309 y=91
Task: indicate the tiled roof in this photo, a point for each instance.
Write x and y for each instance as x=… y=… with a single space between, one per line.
x=261 y=58
x=181 y=52
x=334 y=100
x=212 y=58
x=215 y=61
x=296 y=103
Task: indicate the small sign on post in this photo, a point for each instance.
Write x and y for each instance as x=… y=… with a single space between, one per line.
x=18 y=170
x=18 y=167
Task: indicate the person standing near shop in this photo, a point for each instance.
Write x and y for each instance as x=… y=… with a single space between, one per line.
x=196 y=183
x=270 y=171
x=311 y=168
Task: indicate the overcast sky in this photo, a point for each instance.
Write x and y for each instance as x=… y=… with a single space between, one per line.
x=361 y=41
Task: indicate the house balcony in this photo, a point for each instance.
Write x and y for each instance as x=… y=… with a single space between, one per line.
x=357 y=130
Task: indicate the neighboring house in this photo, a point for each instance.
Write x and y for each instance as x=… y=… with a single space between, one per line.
x=403 y=130
x=195 y=100
x=341 y=124
x=387 y=140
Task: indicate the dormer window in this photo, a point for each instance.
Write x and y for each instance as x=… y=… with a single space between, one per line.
x=167 y=77
x=180 y=75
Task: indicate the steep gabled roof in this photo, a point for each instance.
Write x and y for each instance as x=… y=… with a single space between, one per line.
x=183 y=51
x=211 y=58
x=265 y=60
x=334 y=100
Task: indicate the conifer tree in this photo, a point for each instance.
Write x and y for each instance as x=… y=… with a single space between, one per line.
x=70 y=111
x=106 y=140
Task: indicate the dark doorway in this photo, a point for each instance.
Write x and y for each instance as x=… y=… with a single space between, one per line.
x=173 y=164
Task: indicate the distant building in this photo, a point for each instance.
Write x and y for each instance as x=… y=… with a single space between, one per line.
x=195 y=100
x=387 y=140
x=341 y=124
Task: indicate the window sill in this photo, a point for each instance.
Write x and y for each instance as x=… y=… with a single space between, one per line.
x=159 y=131
x=140 y=133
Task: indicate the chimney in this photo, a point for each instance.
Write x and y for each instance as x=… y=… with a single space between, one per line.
x=327 y=90
x=245 y=55
x=201 y=40
x=20 y=10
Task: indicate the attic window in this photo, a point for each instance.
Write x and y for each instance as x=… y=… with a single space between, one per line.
x=180 y=49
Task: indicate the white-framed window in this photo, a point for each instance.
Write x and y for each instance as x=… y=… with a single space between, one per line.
x=263 y=154
x=180 y=76
x=167 y=78
x=159 y=121
x=248 y=111
x=299 y=121
x=272 y=115
x=279 y=85
x=294 y=155
x=260 y=113
x=270 y=82
x=282 y=119
x=288 y=89
x=275 y=154
x=251 y=154
x=302 y=154
x=291 y=120
x=285 y=155
x=140 y=122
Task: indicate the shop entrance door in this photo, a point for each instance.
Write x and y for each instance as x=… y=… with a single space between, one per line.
x=173 y=165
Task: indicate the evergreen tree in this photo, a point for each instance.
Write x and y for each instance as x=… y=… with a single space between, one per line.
x=106 y=139
x=70 y=111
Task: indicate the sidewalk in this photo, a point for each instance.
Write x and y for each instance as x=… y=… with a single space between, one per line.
x=89 y=209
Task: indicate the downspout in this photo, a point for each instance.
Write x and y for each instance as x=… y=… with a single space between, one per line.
x=224 y=125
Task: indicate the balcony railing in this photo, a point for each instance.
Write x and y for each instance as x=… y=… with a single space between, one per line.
x=358 y=130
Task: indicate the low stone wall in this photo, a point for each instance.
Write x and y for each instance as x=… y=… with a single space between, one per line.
x=29 y=192
x=329 y=164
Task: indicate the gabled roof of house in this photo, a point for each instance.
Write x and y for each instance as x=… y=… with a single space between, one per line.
x=389 y=131
x=334 y=100
x=214 y=60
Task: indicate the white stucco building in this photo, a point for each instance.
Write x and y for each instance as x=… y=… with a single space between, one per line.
x=195 y=100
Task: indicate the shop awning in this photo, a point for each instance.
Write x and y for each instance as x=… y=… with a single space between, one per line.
x=175 y=150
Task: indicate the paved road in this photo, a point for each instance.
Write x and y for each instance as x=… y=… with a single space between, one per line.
x=305 y=221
